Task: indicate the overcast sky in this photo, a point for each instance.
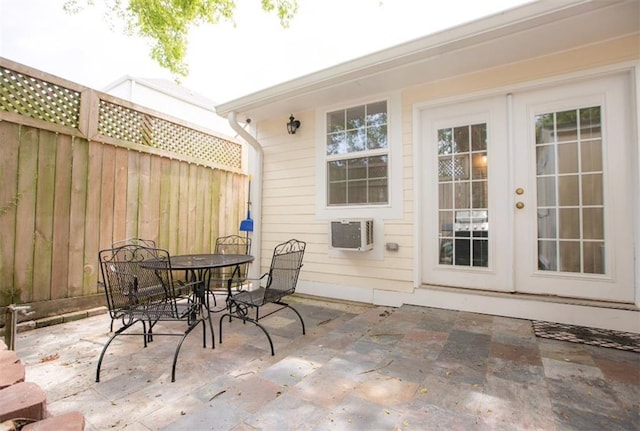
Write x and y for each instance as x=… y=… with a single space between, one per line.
x=227 y=61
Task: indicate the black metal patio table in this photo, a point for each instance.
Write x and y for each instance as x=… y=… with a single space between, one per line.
x=198 y=267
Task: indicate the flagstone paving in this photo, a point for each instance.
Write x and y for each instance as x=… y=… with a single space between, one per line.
x=357 y=368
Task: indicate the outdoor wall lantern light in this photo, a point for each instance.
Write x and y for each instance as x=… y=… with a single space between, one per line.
x=293 y=125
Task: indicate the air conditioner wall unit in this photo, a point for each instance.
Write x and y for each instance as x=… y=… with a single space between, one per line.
x=353 y=234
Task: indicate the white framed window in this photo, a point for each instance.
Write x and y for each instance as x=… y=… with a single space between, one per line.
x=359 y=159
x=357 y=155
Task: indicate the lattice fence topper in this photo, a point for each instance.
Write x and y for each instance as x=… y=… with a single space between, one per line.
x=133 y=126
x=35 y=98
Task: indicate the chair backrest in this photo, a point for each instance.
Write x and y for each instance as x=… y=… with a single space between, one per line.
x=232 y=244
x=149 y=243
x=128 y=284
x=285 y=268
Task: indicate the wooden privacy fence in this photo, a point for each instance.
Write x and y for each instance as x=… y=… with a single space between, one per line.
x=80 y=169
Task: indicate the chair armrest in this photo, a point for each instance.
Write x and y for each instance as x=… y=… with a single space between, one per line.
x=230 y=282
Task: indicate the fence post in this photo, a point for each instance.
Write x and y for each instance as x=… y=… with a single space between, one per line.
x=11 y=323
x=89 y=112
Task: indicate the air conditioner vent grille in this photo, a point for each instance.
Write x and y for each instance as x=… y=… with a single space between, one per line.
x=352 y=234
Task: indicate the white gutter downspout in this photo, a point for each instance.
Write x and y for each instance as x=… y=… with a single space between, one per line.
x=256 y=201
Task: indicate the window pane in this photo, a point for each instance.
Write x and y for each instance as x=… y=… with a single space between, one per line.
x=377 y=167
x=461 y=167
x=594 y=257
x=567 y=126
x=355 y=140
x=445 y=195
x=479 y=166
x=547 y=256
x=337 y=170
x=355 y=117
x=546 y=191
x=445 y=141
x=446 y=252
x=568 y=190
x=446 y=223
x=479 y=137
x=357 y=169
x=377 y=114
x=569 y=223
x=480 y=194
x=547 y=224
x=591 y=156
x=377 y=137
x=569 y=256
x=335 y=122
x=378 y=191
x=592 y=189
x=544 y=129
x=462 y=253
x=336 y=144
x=461 y=138
x=590 y=123
x=357 y=192
x=593 y=223
x=568 y=158
x=338 y=193
x=462 y=195
x=445 y=168
x=545 y=160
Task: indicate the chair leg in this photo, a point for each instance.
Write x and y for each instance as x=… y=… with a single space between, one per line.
x=245 y=320
x=175 y=356
x=284 y=304
x=104 y=349
x=204 y=330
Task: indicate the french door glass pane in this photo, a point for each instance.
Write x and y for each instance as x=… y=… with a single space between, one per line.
x=463 y=196
x=570 y=202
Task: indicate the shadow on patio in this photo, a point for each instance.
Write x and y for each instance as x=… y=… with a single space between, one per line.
x=358 y=368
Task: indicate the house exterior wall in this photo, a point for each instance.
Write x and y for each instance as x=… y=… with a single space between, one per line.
x=391 y=278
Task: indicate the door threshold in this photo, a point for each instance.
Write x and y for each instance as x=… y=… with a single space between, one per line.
x=529 y=296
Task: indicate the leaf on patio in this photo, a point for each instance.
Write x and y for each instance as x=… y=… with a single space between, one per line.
x=50 y=358
x=377 y=369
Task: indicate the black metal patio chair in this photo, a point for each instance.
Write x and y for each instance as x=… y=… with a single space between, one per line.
x=280 y=281
x=139 y=284
x=218 y=282
x=116 y=313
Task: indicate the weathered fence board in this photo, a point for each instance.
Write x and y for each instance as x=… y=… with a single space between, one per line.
x=25 y=222
x=42 y=261
x=61 y=217
x=9 y=137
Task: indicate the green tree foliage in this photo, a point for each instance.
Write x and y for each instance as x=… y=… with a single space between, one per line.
x=167 y=22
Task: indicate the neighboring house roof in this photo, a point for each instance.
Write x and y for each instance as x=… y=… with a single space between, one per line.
x=169 y=88
x=532 y=30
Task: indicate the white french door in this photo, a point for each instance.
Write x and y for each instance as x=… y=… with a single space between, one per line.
x=463 y=195
x=530 y=192
x=573 y=223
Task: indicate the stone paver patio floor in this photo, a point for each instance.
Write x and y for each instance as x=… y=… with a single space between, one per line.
x=357 y=368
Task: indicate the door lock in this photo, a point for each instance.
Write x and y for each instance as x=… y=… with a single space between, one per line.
x=519 y=191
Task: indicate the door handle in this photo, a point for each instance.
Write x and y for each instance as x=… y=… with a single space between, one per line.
x=519 y=205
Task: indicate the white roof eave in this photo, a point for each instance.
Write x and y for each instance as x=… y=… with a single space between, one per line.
x=495 y=40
